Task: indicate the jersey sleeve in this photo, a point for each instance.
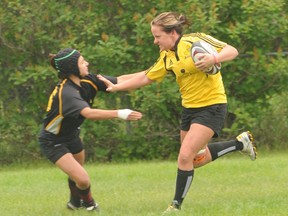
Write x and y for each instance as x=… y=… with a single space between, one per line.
x=90 y=85
x=158 y=71
x=219 y=45
x=72 y=103
x=91 y=81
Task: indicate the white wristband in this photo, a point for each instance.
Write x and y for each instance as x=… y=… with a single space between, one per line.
x=124 y=113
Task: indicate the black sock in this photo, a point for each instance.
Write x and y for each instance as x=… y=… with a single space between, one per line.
x=74 y=194
x=86 y=196
x=221 y=148
x=183 y=183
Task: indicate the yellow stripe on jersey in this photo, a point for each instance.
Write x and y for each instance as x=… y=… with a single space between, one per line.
x=55 y=91
x=91 y=83
x=60 y=97
x=55 y=125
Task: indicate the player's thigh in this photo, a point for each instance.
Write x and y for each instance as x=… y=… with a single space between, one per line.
x=196 y=138
x=68 y=164
x=80 y=157
x=183 y=135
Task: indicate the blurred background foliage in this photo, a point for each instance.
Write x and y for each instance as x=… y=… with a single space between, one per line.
x=114 y=36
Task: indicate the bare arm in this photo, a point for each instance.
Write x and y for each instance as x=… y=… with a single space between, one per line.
x=228 y=53
x=99 y=114
x=136 y=81
x=125 y=77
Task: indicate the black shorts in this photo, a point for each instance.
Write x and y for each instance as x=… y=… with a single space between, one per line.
x=54 y=147
x=211 y=116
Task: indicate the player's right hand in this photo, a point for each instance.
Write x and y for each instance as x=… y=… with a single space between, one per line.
x=110 y=85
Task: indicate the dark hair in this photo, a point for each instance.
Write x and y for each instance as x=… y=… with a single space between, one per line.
x=65 y=62
x=170 y=21
x=52 y=62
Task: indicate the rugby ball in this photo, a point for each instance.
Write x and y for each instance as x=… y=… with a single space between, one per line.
x=199 y=47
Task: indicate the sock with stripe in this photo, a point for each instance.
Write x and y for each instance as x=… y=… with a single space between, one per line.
x=221 y=148
x=183 y=183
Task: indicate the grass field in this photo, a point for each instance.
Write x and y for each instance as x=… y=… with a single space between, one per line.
x=232 y=185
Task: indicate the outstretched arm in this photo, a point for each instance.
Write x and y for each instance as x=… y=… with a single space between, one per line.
x=125 y=77
x=99 y=114
x=135 y=81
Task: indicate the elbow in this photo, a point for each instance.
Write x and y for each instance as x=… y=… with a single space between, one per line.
x=232 y=51
x=236 y=53
x=87 y=113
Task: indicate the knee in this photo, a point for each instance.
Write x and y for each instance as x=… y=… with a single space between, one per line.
x=83 y=181
x=185 y=159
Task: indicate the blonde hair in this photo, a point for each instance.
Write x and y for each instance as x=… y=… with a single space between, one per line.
x=170 y=21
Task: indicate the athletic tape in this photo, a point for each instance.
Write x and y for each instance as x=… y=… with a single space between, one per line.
x=124 y=113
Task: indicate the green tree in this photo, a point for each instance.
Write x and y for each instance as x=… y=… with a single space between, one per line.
x=115 y=38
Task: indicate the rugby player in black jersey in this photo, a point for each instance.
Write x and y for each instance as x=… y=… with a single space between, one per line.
x=69 y=105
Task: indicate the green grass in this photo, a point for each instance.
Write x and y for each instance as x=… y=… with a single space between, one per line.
x=232 y=185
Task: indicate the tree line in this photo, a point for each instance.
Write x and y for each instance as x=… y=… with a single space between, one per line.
x=114 y=36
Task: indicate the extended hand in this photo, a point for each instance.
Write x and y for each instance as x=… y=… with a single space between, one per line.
x=134 y=115
x=110 y=85
x=128 y=114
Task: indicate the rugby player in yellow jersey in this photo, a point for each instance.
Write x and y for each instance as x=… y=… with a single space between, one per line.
x=203 y=97
x=69 y=105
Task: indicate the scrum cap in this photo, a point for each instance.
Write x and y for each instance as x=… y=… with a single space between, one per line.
x=66 y=62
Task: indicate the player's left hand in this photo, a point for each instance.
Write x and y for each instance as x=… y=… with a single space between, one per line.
x=205 y=61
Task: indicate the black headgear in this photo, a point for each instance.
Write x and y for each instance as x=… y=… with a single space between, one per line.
x=66 y=62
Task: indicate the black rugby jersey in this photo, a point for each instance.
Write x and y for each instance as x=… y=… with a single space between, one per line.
x=66 y=102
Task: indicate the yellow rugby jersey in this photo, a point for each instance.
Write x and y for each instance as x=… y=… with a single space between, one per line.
x=197 y=88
